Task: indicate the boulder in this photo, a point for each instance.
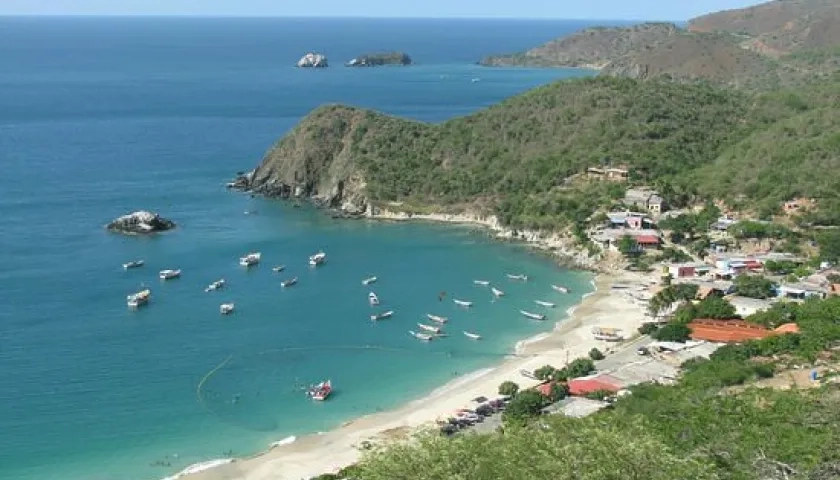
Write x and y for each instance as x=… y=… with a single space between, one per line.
x=313 y=60
x=141 y=222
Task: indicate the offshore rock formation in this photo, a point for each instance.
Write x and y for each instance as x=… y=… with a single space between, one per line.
x=313 y=60
x=380 y=59
x=141 y=222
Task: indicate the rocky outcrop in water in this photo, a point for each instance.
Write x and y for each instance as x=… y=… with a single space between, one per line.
x=380 y=59
x=313 y=60
x=141 y=222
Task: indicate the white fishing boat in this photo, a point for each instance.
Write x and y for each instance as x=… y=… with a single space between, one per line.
x=473 y=336
x=278 y=268
x=421 y=336
x=560 y=288
x=317 y=259
x=535 y=316
x=369 y=280
x=607 y=334
x=321 y=391
x=544 y=304
x=226 y=308
x=497 y=292
x=217 y=285
x=169 y=274
x=429 y=328
x=289 y=282
x=462 y=303
x=382 y=316
x=436 y=318
x=373 y=299
x=133 y=264
x=519 y=276
x=138 y=299
x=250 y=260
x=483 y=283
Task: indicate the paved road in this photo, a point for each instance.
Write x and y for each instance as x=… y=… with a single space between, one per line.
x=624 y=355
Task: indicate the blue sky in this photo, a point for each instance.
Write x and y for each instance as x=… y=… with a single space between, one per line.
x=574 y=9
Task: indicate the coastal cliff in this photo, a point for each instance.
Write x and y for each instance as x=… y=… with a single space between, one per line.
x=380 y=59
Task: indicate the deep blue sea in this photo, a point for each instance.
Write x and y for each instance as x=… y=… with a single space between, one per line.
x=99 y=117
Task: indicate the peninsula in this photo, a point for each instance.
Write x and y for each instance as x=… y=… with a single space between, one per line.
x=380 y=59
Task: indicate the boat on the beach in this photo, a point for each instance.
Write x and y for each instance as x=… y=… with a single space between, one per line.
x=544 y=304
x=483 y=283
x=321 y=391
x=250 y=260
x=473 y=336
x=462 y=303
x=289 y=282
x=217 y=285
x=317 y=259
x=421 y=336
x=535 y=316
x=169 y=274
x=278 y=268
x=373 y=299
x=226 y=308
x=138 y=299
x=369 y=280
x=497 y=292
x=436 y=318
x=607 y=334
x=382 y=316
x=560 y=288
x=429 y=328
x=518 y=276
x=133 y=264
x=528 y=374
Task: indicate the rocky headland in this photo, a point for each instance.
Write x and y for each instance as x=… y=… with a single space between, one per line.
x=140 y=223
x=380 y=59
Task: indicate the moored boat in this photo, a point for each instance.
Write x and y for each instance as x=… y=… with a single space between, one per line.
x=317 y=259
x=607 y=334
x=518 y=276
x=436 y=318
x=250 y=260
x=560 y=288
x=278 y=268
x=139 y=299
x=321 y=391
x=473 y=336
x=226 y=308
x=373 y=299
x=420 y=336
x=483 y=283
x=535 y=316
x=382 y=316
x=169 y=274
x=544 y=304
x=497 y=292
x=289 y=282
x=369 y=280
x=429 y=328
x=462 y=303
x=133 y=264
x=217 y=285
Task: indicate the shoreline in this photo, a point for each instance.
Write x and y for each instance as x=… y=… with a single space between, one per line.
x=325 y=452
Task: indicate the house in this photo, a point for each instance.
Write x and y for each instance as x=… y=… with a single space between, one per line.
x=734 y=331
x=647 y=242
x=655 y=204
x=645 y=198
x=609 y=238
x=594 y=383
x=576 y=407
x=613 y=174
x=745 y=306
x=629 y=219
x=801 y=291
x=687 y=270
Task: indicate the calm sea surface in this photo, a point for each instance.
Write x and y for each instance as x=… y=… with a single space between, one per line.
x=99 y=117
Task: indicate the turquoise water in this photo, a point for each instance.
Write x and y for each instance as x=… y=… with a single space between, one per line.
x=99 y=117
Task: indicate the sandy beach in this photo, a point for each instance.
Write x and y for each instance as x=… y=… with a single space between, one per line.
x=572 y=338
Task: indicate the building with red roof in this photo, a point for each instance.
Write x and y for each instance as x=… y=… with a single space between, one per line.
x=597 y=383
x=734 y=331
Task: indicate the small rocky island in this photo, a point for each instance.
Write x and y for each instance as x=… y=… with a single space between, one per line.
x=313 y=60
x=141 y=222
x=380 y=59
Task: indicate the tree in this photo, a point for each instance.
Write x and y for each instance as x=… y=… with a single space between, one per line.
x=559 y=391
x=524 y=405
x=628 y=246
x=596 y=354
x=508 y=388
x=648 y=328
x=672 y=332
x=546 y=372
x=829 y=243
x=755 y=286
x=579 y=367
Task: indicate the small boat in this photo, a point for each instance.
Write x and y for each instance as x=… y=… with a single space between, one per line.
x=607 y=334
x=560 y=288
x=317 y=259
x=250 y=260
x=497 y=292
x=421 y=336
x=321 y=391
x=289 y=282
x=544 y=304
x=278 y=268
x=169 y=274
x=133 y=264
x=481 y=282
x=373 y=299
x=429 y=328
x=436 y=318
x=217 y=285
x=226 y=308
x=462 y=303
x=139 y=299
x=382 y=315
x=535 y=316
x=474 y=336
x=520 y=276
x=369 y=280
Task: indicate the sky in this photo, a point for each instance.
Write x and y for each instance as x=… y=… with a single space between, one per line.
x=676 y=10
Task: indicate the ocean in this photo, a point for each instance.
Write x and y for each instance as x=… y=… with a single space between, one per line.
x=103 y=116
